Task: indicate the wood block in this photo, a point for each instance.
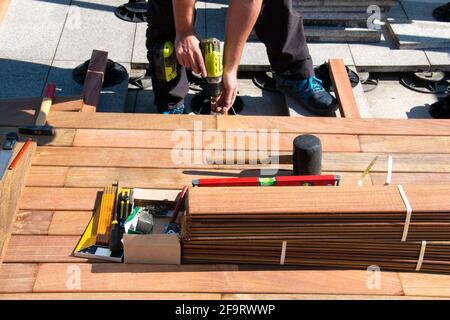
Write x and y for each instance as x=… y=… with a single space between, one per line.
x=42 y=249
x=47 y=176
x=421 y=284
x=10 y=191
x=343 y=89
x=111 y=296
x=405 y=144
x=94 y=80
x=65 y=223
x=32 y=222
x=57 y=199
x=144 y=278
x=17 y=277
x=208 y=140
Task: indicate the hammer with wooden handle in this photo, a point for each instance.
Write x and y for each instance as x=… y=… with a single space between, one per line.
x=40 y=128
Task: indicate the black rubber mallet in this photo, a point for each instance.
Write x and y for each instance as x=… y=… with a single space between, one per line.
x=307 y=156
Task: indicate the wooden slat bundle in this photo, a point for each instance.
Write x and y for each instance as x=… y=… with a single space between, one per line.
x=387 y=255
x=322 y=226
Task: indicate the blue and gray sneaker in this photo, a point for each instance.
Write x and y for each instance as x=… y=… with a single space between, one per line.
x=178 y=109
x=310 y=94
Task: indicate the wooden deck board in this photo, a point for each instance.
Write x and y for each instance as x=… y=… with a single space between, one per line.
x=17 y=277
x=91 y=151
x=142 y=278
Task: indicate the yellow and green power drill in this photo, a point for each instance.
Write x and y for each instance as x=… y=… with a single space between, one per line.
x=166 y=65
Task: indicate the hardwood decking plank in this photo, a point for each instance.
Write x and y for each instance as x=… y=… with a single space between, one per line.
x=164 y=139
x=263 y=296
x=32 y=222
x=17 y=277
x=130 y=121
x=402 y=127
x=50 y=176
x=26 y=249
x=343 y=89
x=421 y=284
x=144 y=278
x=285 y=200
x=111 y=296
x=412 y=178
x=59 y=199
x=405 y=144
x=11 y=189
x=83 y=177
x=69 y=223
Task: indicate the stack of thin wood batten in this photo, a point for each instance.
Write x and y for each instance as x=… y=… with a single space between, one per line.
x=397 y=228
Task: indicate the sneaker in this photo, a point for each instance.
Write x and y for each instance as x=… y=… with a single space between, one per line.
x=178 y=109
x=310 y=94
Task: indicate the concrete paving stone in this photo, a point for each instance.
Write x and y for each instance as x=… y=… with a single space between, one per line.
x=383 y=57
x=417 y=34
x=421 y=9
x=439 y=59
x=392 y=100
x=91 y=24
x=23 y=79
x=322 y=52
x=139 y=60
x=112 y=98
x=31 y=29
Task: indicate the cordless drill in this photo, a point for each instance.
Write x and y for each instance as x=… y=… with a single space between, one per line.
x=212 y=54
x=165 y=64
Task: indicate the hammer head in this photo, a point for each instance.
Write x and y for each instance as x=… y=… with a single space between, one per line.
x=37 y=130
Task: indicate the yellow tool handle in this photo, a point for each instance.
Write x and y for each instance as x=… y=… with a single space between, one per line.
x=46 y=104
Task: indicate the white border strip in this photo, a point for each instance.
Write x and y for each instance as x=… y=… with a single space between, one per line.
x=408 y=212
x=283 y=253
x=421 y=255
x=389 y=171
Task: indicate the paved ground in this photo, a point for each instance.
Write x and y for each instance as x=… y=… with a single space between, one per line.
x=45 y=47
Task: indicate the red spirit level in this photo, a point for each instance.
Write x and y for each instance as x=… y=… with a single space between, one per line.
x=322 y=180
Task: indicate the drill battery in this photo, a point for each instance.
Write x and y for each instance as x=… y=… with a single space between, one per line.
x=164 y=61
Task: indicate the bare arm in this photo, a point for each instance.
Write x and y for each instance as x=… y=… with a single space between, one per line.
x=241 y=18
x=187 y=45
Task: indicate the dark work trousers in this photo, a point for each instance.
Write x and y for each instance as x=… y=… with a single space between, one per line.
x=278 y=27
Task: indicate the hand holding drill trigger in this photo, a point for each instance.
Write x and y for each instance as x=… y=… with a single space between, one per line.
x=205 y=58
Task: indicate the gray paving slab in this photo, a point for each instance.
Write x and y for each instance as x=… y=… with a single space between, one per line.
x=112 y=98
x=392 y=100
x=31 y=29
x=23 y=79
x=139 y=59
x=91 y=24
x=322 y=52
x=439 y=59
x=397 y=12
x=421 y=9
x=384 y=57
x=417 y=34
